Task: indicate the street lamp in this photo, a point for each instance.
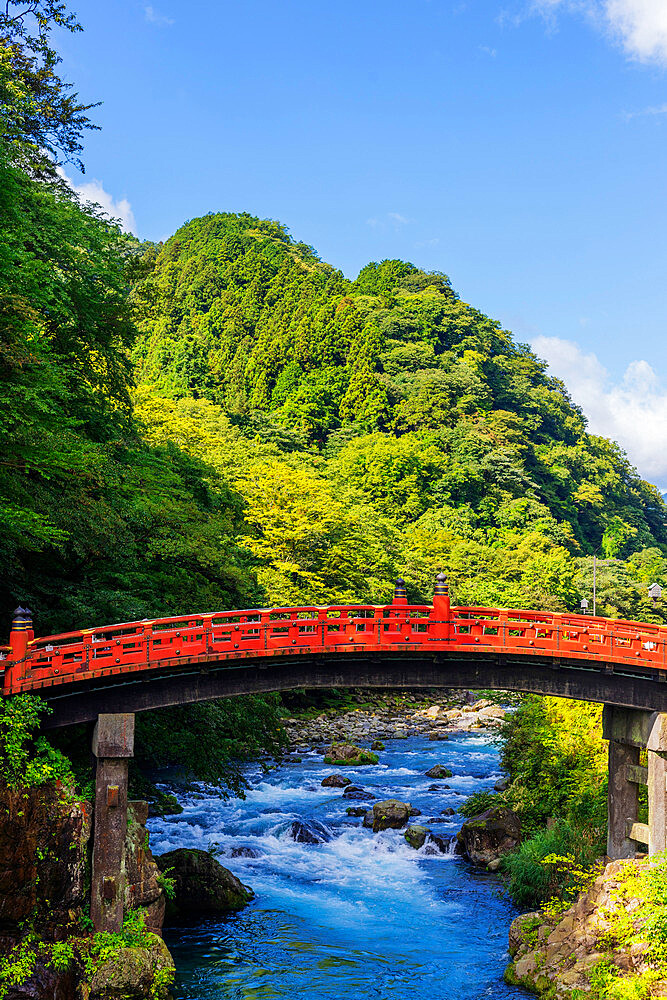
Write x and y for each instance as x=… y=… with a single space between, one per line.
x=655 y=593
x=584 y=606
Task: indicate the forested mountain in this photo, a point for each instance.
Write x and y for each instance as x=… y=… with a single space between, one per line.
x=378 y=424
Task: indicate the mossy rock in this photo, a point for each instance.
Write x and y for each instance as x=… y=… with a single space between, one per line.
x=135 y=973
x=390 y=814
x=439 y=771
x=347 y=754
x=202 y=887
x=416 y=835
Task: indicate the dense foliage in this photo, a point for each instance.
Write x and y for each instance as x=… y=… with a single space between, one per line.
x=210 y=742
x=26 y=760
x=556 y=759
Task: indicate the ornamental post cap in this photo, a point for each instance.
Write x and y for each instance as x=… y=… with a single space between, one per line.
x=441 y=577
x=400 y=582
x=23 y=612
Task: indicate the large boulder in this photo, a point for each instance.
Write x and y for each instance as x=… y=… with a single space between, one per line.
x=335 y=781
x=492 y=712
x=485 y=838
x=439 y=771
x=348 y=754
x=202 y=887
x=390 y=814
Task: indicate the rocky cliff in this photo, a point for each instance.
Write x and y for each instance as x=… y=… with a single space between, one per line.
x=47 y=950
x=610 y=944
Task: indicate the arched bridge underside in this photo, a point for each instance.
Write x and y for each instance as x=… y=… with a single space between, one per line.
x=138 y=666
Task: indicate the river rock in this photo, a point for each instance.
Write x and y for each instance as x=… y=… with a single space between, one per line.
x=356 y=810
x=501 y=785
x=438 y=845
x=335 y=781
x=439 y=771
x=448 y=811
x=377 y=745
x=349 y=754
x=390 y=814
x=142 y=888
x=416 y=835
x=355 y=792
x=368 y=819
x=492 y=712
x=415 y=812
x=244 y=852
x=490 y=835
x=309 y=832
x=202 y=886
x=436 y=735
x=477 y=706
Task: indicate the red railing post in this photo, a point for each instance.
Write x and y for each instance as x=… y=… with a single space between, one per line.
x=400 y=594
x=442 y=608
x=20 y=637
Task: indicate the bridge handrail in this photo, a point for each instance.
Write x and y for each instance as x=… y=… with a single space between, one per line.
x=227 y=635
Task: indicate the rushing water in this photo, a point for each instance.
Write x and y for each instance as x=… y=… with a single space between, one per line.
x=360 y=916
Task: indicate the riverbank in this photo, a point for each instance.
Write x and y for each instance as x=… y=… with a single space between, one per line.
x=378 y=716
x=610 y=944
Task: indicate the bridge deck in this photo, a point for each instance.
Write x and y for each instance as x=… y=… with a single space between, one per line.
x=161 y=650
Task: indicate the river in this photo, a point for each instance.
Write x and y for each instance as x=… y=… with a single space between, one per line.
x=360 y=916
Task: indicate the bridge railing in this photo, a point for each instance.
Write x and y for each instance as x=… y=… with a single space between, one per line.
x=139 y=646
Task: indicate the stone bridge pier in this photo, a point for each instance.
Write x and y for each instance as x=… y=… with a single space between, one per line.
x=113 y=745
x=629 y=731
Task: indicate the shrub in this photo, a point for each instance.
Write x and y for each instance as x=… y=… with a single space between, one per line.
x=25 y=763
x=478 y=803
x=549 y=865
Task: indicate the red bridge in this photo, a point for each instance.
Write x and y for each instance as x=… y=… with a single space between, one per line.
x=137 y=666
x=110 y=672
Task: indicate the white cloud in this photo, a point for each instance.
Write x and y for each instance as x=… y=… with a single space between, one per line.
x=153 y=16
x=488 y=51
x=399 y=220
x=658 y=109
x=394 y=219
x=632 y=411
x=639 y=25
x=642 y=27
x=93 y=192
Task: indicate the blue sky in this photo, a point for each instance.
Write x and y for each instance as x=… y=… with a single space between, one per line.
x=519 y=145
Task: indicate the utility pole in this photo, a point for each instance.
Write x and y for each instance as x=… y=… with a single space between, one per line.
x=594 y=583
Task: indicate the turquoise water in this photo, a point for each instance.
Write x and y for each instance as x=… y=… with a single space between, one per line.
x=360 y=916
